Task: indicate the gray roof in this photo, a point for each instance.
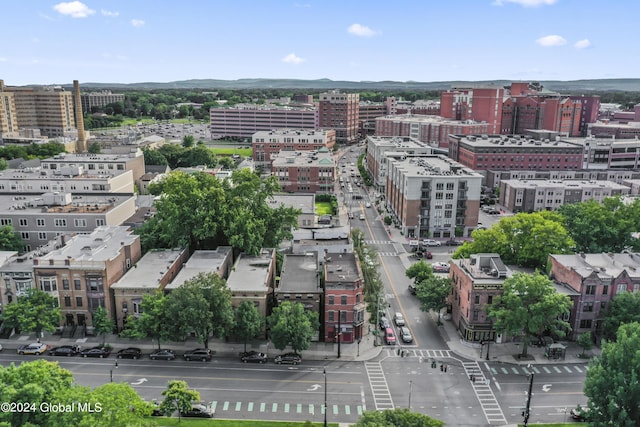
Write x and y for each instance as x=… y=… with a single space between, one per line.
x=300 y=273
x=103 y=244
x=304 y=202
x=250 y=272
x=605 y=266
x=208 y=261
x=341 y=268
x=148 y=271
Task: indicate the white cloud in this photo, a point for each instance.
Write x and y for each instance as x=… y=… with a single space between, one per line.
x=361 y=30
x=75 y=9
x=292 y=58
x=525 y=3
x=582 y=44
x=109 y=13
x=137 y=23
x=551 y=40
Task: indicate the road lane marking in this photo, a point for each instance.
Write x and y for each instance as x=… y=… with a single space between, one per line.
x=299 y=408
x=250 y=407
x=238 y=406
x=286 y=408
x=274 y=407
x=225 y=406
x=311 y=409
x=263 y=406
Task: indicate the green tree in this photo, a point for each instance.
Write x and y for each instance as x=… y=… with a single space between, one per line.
x=188 y=141
x=95 y=148
x=624 y=308
x=154 y=157
x=154 y=322
x=103 y=324
x=291 y=325
x=419 y=271
x=32 y=382
x=530 y=306
x=400 y=417
x=603 y=227
x=202 y=305
x=36 y=312
x=178 y=397
x=3 y=164
x=433 y=293
x=612 y=383
x=584 y=341
x=525 y=239
x=197 y=156
x=9 y=240
x=249 y=322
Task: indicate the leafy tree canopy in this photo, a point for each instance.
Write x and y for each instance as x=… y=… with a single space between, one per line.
x=400 y=417
x=178 y=397
x=36 y=312
x=613 y=380
x=525 y=239
x=9 y=240
x=291 y=325
x=624 y=308
x=433 y=293
x=530 y=306
x=602 y=227
x=153 y=323
x=249 y=322
x=103 y=324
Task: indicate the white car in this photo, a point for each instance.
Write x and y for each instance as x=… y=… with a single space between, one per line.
x=362 y=216
x=440 y=267
x=431 y=242
x=398 y=319
x=367 y=205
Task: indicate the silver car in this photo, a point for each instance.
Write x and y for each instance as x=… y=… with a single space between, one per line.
x=405 y=335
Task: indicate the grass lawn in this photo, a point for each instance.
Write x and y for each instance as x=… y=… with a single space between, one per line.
x=244 y=152
x=323 y=208
x=195 y=422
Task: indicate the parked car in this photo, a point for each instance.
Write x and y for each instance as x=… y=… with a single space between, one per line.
x=367 y=205
x=405 y=335
x=33 y=348
x=580 y=413
x=389 y=336
x=440 y=267
x=362 y=216
x=544 y=341
x=155 y=409
x=431 y=242
x=129 y=353
x=162 y=355
x=64 y=350
x=291 y=358
x=96 y=352
x=412 y=289
x=199 y=410
x=253 y=356
x=350 y=215
x=383 y=322
x=398 y=319
x=203 y=354
x=453 y=242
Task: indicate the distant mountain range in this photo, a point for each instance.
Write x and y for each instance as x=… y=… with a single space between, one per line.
x=627 y=85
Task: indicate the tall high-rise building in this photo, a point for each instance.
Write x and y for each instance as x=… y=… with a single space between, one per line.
x=8 y=119
x=340 y=111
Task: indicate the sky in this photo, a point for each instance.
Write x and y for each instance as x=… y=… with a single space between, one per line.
x=129 y=41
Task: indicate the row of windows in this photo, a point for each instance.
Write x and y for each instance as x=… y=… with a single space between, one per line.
x=57 y=222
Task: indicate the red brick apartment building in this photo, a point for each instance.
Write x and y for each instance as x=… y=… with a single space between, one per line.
x=267 y=144
x=305 y=171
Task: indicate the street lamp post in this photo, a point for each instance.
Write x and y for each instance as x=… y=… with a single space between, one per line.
x=527 y=410
x=111 y=371
x=489 y=340
x=324 y=372
x=410 y=386
x=339 y=332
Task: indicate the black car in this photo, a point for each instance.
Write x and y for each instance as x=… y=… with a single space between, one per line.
x=453 y=242
x=129 y=353
x=253 y=356
x=412 y=289
x=64 y=350
x=203 y=354
x=291 y=358
x=162 y=355
x=96 y=352
x=199 y=411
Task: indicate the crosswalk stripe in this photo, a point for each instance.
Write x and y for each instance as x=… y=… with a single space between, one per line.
x=515 y=371
x=504 y=370
x=347 y=409
x=557 y=369
x=359 y=410
x=225 y=406
x=536 y=370
x=336 y=411
x=578 y=369
x=568 y=370
x=274 y=407
x=311 y=407
x=214 y=405
x=299 y=408
x=546 y=369
x=238 y=406
x=250 y=407
x=263 y=406
x=286 y=408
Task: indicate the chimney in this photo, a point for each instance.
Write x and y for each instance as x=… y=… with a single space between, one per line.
x=81 y=145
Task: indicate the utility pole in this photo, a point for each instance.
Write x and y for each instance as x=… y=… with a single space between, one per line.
x=324 y=371
x=527 y=410
x=339 y=333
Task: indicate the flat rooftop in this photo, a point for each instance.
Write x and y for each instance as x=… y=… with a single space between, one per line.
x=563 y=184
x=514 y=141
x=291 y=132
x=103 y=244
x=300 y=273
x=203 y=261
x=414 y=118
x=147 y=268
x=341 y=267
x=434 y=165
x=250 y=273
x=304 y=202
x=302 y=158
x=34 y=204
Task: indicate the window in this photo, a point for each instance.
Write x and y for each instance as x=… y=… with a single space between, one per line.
x=331 y=316
x=343 y=300
x=78 y=301
x=605 y=290
x=67 y=301
x=42 y=236
x=585 y=324
x=622 y=287
x=476 y=314
x=65 y=284
x=587 y=307
x=331 y=300
x=60 y=222
x=343 y=316
x=23 y=222
x=591 y=290
x=39 y=222
x=476 y=299
x=99 y=222
x=24 y=235
x=80 y=222
x=49 y=284
x=489 y=299
x=6 y=221
x=76 y=284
